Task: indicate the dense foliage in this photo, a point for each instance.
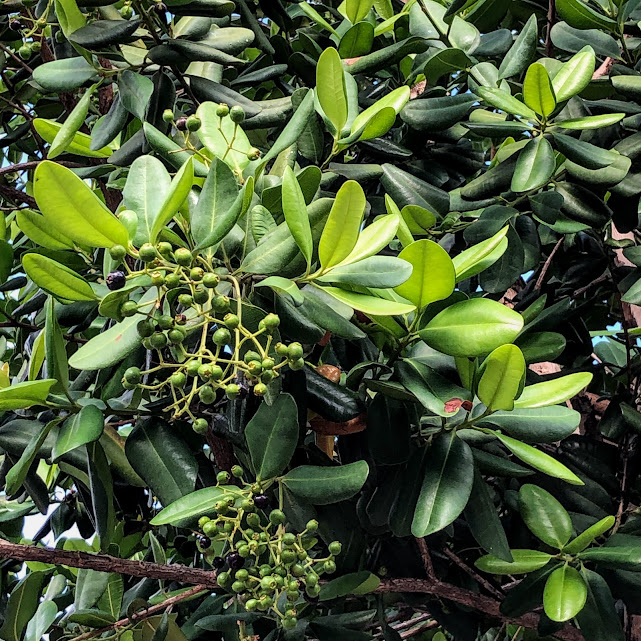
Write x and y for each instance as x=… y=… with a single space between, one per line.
x=337 y=301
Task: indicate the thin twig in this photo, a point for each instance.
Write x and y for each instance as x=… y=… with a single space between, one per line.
x=548 y=262
x=551 y=19
x=426 y=558
x=477 y=577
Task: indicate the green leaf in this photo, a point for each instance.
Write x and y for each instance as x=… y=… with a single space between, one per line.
x=325 y=485
x=73 y=122
x=355 y=583
x=584 y=153
x=45 y=615
x=79 y=144
x=110 y=347
x=64 y=75
x=135 y=92
x=485 y=524
x=539 y=460
x=296 y=216
x=90 y=585
x=438 y=114
x=92 y=618
x=145 y=191
x=36 y=228
x=396 y=99
x=447 y=484
x=545 y=517
x=373 y=238
x=479 y=257
x=331 y=90
x=70 y=206
x=102 y=494
x=375 y=271
x=623 y=558
x=79 y=429
x=357 y=10
x=524 y=561
x=537 y=90
x=56 y=279
x=272 y=435
x=55 y=350
x=588 y=536
x=565 y=594
x=433 y=274
x=218 y=207
x=343 y=225
x=579 y=15
x=18 y=473
x=371 y=305
x=590 y=122
x=557 y=390
x=162 y=459
x=472 y=328
x=357 y=40
x=629 y=86
x=574 y=76
x=599 y=618
x=284 y=285
x=535 y=165
x=502 y=379
x=23 y=603
x=26 y=394
x=521 y=52
x=192 y=505
x=505 y=102
x=111 y=599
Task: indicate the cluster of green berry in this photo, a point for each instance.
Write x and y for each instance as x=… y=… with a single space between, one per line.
x=267 y=567
x=201 y=345
x=28 y=27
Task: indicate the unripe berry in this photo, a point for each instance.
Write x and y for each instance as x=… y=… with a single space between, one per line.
x=196 y=273
x=276 y=517
x=237 y=114
x=201 y=295
x=260 y=389
x=186 y=300
x=202 y=520
x=295 y=351
x=207 y=395
x=335 y=547
x=164 y=248
x=165 y=321
x=298 y=364
x=211 y=280
x=157 y=279
x=25 y=52
x=221 y=303
x=222 y=336
x=176 y=336
x=216 y=373
x=222 y=110
x=178 y=379
x=200 y=426
x=145 y=328
x=193 y=123
x=183 y=256
x=168 y=115
x=232 y=391
x=223 y=477
x=271 y=322
x=117 y=252
x=237 y=471
x=133 y=375
x=281 y=349
x=147 y=253
x=231 y=321
x=129 y=308
x=158 y=340
x=253 y=154
x=172 y=281
x=193 y=366
x=127 y=12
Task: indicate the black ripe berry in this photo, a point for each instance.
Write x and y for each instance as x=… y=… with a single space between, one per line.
x=204 y=542
x=261 y=501
x=15 y=25
x=116 y=280
x=218 y=562
x=181 y=123
x=160 y=8
x=234 y=561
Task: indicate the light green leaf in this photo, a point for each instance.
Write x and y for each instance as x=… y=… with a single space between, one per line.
x=325 y=485
x=537 y=90
x=342 y=228
x=22 y=605
x=280 y=284
x=535 y=165
x=357 y=10
x=78 y=145
x=396 y=99
x=524 y=561
x=539 y=460
x=502 y=379
x=574 y=76
x=557 y=390
x=331 y=90
x=588 y=536
x=505 y=102
x=56 y=279
x=192 y=505
x=565 y=594
x=375 y=271
x=545 y=517
x=590 y=122
x=71 y=207
x=370 y=305
x=479 y=257
x=472 y=328
x=40 y=232
x=296 y=216
x=79 y=429
x=373 y=238
x=433 y=275
x=45 y=615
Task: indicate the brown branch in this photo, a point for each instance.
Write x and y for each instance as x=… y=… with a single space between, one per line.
x=32 y=164
x=34 y=328
x=426 y=558
x=551 y=19
x=144 y=614
x=16 y=195
x=475 y=575
x=546 y=265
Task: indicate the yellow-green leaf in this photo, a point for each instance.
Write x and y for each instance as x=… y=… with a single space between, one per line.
x=40 y=232
x=557 y=390
x=56 y=279
x=565 y=594
x=369 y=304
x=373 y=238
x=537 y=90
x=25 y=394
x=296 y=216
x=79 y=145
x=331 y=90
x=501 y=382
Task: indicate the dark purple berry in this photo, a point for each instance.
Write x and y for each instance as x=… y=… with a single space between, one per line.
x=15 y=25
x=160 y=8
x=204 y=542
x=218 y=562
x=261 y=501
x=116 y=280
x=181 y=123
x=234 y=561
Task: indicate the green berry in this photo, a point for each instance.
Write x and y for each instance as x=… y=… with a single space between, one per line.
x=201 y=295
x=302 y=555
x=185 y=300
x=265 y=602
x=276 y=517
x=196 y=273
x=145 y=328
x=289 y=623
x=231 y=321
x=329 y=567
x=222 y=336
x=200 y=426
x=193 y=123
x=241 y=575
x=176 y=336
x=223 y=579
x=164 y=248
x=238 y=586
x=253 y=154
x=221 y=303
x=193 y=366
x=251 y=605
x=237 y=114
x=297 y=570
x=268 y=363
x=281 y=349
x=292 y=595
x=147 y=253
x=251 y=356
x=265 y=570
x=298 y=364
x=288 y=556
x=312 y=525
x=133 y=375
x=248 y=505
x=268 y=584
x=118 y=252
x=216 y=373
x=127 y=12
x=25 y=52
x=204 y=372
x=222 y=110
x=202 y=520
x=207 y=394
x=267 y=376
x=289 y=539
x=244 y=551
x=335 y=547
x=165 y=321
x=253 y=520
x=271 y=321
x=311 y=579
x=178 y=379
x=255 y=368
x=260 y=389
x=313 y=591
x=237 y=471
x=183 y=256
x=211 y=280
x=168 y=114
x=172 y=281
x=223 y=477
x=129 y=308
x=295 y=351
x=232 y=391
x=157 y=279
x=158 y=340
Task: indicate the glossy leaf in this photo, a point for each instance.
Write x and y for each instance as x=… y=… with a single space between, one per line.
x=554 y=391
x=192 y=505
x=22 y=605
x=524 y=561
x=472 y=328
x=432 y=276
x=36 y=228
x=324 y=485
x=578 y=14
x=537 y=90
x=331 y=90
x=296 y=216
x=479 y=257
x=565 y=594
x=583 y=540
x=505 y=102
x=590 y=122
x=56 y=279
x=176 y=194
x=26 y=394
x=546 y=518
x=574 y=76
x=55 y=350
x=272 y=435
x=521 y=52
x=373 y=238
x=599 y=618
x=535 y=165
x=375 y=271
x=79 y=429
x=369 y=304
x=501 y=382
